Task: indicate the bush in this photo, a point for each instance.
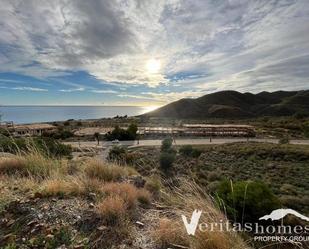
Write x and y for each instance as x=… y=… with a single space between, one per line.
x=189 y=151
x=167 y=160
x=112 y=210
x=4 y=132
x=154 y=185
x=122 y=134
x=126 y=191
x=117 y=153
x=186 y=150
x=144 y=197
x=253 y=199
x=170 y=233
x=61 y=187
x=168 y=154
x=166 y=145
x=60 y=134
x=107 y=172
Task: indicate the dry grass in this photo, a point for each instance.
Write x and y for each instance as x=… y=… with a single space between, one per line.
x=126 y=191
x=63 y=187
x=12 y=166
x=183 y=200
x=170 y=233
x=154 y=185
x=129 y=193
x=112 y=210
x=33 y=164
x=144 y=197
x=213 y=240
x=107 y=172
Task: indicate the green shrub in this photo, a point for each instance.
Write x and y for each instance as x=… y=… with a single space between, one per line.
x=117 y=153
x=60 y=134
x=246 y=201
x=4 y=132
x=166 y=160
x=189 y=151
x=167 y=144
x=186 y=150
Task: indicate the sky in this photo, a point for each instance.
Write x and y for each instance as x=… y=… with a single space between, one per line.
x=149 y=53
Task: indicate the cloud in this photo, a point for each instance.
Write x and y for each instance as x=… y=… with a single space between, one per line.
x=81 y=89
x=24 y=88
x=203 y=45
x=104 y=91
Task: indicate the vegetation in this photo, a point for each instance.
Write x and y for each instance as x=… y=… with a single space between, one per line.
x=59 y=134
x=189 y=151
x=121 y=134
x=107 y=173
x=47 y=146
x=276 y=165
x=168 y=154
x=246 y=201
x=49 y=202
x=97 y=137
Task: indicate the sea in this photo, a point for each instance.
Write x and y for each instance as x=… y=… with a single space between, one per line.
x=35 y=114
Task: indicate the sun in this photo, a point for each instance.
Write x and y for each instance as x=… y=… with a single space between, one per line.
x=153 y=66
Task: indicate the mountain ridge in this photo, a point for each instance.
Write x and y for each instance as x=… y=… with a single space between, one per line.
x=233 y=104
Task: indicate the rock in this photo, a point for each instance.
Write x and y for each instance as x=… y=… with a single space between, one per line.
x=54 y=200
x=40 y=216
x=83 y=241
x=31 y=222
x=92 y=196
x=140 y=224
x=10 y=222
x=45 y=207
x=102 y=228
x=50 y=236
x=62 y=247
x=91 y=205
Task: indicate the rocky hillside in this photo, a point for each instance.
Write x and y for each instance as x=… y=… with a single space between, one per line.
x=232 y=104
x=57 y=203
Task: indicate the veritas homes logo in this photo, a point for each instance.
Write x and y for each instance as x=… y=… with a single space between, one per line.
x=191 y=227
x=254 y=228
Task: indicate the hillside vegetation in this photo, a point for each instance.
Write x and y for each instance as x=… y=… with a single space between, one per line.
x=48 y=202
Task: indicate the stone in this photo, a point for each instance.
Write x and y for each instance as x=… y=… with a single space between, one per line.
x=140 y=224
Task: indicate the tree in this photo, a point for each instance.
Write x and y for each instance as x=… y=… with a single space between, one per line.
x=132 y=131
x=122 y=134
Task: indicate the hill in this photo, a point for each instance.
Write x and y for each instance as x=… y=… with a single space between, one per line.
x=233 y=104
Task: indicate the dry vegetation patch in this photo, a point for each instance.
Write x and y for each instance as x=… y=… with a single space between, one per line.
x=107 y=172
